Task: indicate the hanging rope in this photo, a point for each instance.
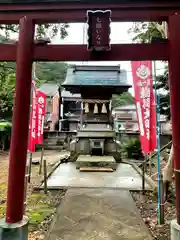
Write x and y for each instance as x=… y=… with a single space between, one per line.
x=93 y=101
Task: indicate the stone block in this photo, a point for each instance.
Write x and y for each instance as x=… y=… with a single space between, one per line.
x=96 y=161
x=16 y=231
x=175 y=230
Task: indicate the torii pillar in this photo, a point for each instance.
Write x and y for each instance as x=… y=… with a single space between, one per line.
x=15 y=225
x=174 y=76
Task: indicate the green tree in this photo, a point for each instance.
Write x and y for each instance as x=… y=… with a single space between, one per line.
x=42 y=31
x=7 y=87
x=53 y=72
x=45 y=72
x=143 y=33
x=163 y=86
x=122 y=99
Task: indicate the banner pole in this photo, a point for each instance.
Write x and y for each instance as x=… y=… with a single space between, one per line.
x=160 y=190
x=41 y=160
x=150 y=163
x=144 y=172
x=160 y=185
x=30 y=166
x=143 y=175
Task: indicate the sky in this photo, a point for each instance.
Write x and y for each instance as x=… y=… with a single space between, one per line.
x=119 y=34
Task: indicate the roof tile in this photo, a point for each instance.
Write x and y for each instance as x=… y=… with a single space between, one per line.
x=96 y=77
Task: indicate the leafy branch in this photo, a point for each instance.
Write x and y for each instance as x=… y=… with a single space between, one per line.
x=54 y=72
x=143 y=33
x=41 y=31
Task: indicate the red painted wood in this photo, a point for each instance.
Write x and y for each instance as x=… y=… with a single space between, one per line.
x=79 y=15
x=174 y=72
x=79 y=5
x=19 y=138
x=8 y=52
x=119 y=52
x=11 y=13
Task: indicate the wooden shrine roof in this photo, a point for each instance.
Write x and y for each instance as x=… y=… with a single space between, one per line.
x=106 y=76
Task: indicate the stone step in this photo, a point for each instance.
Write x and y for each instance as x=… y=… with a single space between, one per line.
x=85 y=161
x=95 y=169
x=47 y=147
x=51 y=143
x=55 y=138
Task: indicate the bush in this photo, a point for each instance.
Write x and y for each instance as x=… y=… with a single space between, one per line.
x=132 y=149
x=5 y=135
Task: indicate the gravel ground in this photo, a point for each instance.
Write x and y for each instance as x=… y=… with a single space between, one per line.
x=53 y=198
x=147 y=205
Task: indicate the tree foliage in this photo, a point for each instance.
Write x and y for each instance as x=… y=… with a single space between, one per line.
x=163 y=86
x=143 y=33
x=46 y=72
x=7 y=87
x=41 y=31
x=123 y=99
x=53 y=72
x=52 y=30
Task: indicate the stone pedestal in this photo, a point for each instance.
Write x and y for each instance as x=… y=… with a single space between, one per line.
x=175 y=230
x=16 y=231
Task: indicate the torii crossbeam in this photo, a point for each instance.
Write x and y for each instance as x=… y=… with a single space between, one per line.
x=119 y=52
x=75 y=11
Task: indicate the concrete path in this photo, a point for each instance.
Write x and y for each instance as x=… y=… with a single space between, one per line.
x=98 y=214
x=52 y=156
x=125 y=177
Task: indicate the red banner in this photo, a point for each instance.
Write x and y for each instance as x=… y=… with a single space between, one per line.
x=153 y=134
x=38 y=108
x=40 y=114
x=32 y=125
x=145 y=104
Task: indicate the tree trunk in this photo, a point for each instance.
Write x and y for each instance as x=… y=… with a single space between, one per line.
x=169 y=168
x=168 y=172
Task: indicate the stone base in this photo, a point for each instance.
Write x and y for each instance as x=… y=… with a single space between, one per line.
x=15 y=231
x=117 y=157
x=175 y=230
x=73 y=156
x=96 y=161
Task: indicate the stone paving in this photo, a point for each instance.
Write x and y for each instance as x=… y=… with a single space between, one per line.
x=98 y=214
x=51 y=156
x=125 y=177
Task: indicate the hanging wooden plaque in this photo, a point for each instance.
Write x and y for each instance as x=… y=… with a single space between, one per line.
x=99 y=30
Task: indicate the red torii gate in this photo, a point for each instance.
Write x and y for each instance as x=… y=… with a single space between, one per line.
x=25 y=52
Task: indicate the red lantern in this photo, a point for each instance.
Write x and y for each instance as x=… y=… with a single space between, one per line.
x=99 y=30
